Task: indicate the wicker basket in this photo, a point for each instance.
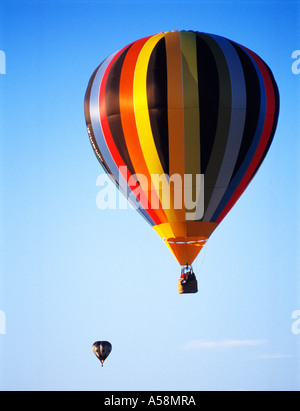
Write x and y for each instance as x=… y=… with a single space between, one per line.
x=188 y=288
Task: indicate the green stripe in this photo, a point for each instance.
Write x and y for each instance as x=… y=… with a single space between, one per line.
x=191 y=103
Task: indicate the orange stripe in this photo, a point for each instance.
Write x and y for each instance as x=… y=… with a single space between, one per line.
x=128 y=121
x=175 y=111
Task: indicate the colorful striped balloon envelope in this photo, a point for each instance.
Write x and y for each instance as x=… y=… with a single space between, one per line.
x=182 y=121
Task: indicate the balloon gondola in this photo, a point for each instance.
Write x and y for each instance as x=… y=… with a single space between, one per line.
x=182 y=121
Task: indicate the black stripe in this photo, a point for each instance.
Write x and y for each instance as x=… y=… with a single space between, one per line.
x=209 y=93
x=157 y=95
x=112 y=105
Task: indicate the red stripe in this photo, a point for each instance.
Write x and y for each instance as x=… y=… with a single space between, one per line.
x=265 y=137
x=111 y=144
x=131 y=135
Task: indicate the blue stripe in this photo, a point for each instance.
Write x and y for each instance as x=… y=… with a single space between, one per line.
x=251 y=152
x=237 y=124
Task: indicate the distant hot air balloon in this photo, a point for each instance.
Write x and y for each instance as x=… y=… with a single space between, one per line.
x=182 y=122
x=102 y=349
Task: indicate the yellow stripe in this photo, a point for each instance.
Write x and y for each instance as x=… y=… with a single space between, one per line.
x=141 y=107
x=143 y=119
x=191 y=103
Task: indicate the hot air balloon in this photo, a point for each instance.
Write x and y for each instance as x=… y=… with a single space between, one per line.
x=102 y=349
x=182 y=121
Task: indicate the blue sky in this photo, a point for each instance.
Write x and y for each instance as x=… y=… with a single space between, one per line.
x=72 y=274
